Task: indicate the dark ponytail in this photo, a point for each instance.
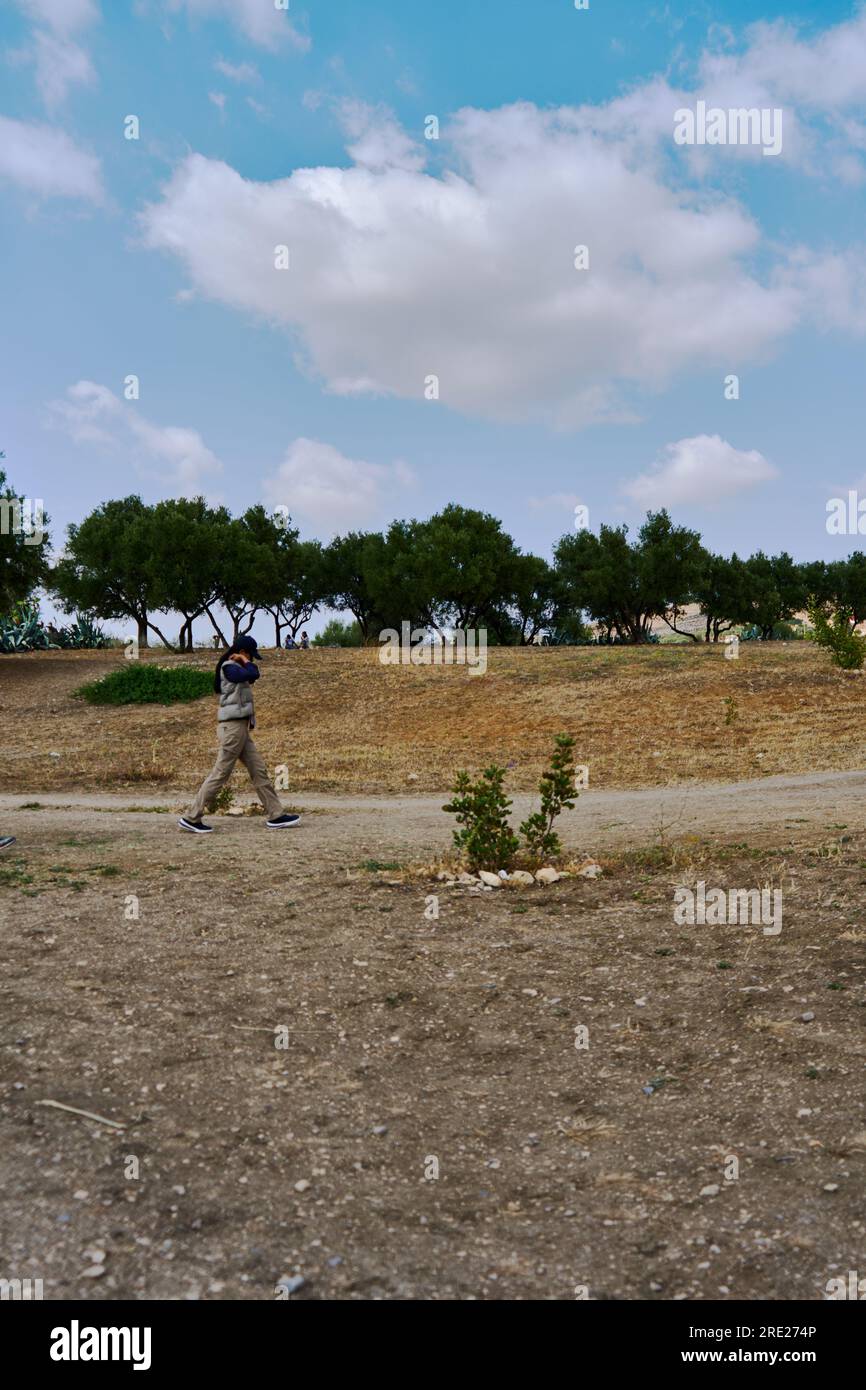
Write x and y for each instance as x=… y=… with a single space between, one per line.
x=217 y=675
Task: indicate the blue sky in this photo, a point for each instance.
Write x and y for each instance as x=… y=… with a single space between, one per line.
x=452 y=257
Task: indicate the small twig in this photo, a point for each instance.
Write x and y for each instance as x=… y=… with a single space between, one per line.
x=88 y=1114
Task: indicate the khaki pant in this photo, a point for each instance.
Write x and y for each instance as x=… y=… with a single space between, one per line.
x=235 y=743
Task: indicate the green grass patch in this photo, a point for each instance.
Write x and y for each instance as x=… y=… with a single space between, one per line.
x=374 y=866
x=138 y=684
x=15 y=876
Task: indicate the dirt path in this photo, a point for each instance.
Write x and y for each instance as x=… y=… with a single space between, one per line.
x=431 y=1128
x=413 y=826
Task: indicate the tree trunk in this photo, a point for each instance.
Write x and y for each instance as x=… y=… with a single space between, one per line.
x=216 y=627
x=169 y=646
x=141 y=619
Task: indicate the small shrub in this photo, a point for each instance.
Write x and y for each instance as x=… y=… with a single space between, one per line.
x=837 y=636
x=339 y=634
x=223 y=801
x=481 y=808
x=558 y=792
x=140 y=684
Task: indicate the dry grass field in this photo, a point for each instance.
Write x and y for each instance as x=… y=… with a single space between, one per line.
x=342 y=722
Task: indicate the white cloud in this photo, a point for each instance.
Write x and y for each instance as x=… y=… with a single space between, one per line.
x=44 y=160
x=818 y=83
x=259 y=20
x=558 y=501
x=334 y=493
x=397 y=275
x=173 y=454
x=467 y=273
x=63 y=16
x=832 y=286
x=237 y=72
x=703 y=470
x=378 y=141
x=60 y=62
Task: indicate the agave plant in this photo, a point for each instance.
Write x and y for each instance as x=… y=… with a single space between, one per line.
x=23 y=631
x=84 y=632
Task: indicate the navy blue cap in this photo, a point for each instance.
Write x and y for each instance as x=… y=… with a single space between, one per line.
x=248 y=644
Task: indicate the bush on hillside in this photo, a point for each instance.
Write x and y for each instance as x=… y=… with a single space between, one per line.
x=138 y=684
x=337 y=634
x=837 y=636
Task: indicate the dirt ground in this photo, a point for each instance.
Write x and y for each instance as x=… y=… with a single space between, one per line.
x=431 y=1129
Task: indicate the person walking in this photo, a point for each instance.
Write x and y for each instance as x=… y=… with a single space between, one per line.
x=234 y=677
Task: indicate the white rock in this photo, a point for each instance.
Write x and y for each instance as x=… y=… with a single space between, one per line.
x=711 y=1191
x=492 y=880
x=302 y=1185
x=521 y=876
x=547 y=876
x=590 y=868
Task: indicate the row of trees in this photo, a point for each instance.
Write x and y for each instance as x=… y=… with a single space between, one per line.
x=625 y=585
x=132 y=561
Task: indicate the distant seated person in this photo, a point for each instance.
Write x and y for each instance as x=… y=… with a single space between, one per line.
x=304 y=642
x=291 y=644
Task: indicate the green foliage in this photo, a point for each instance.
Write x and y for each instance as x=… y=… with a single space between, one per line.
x=84 y=633
x=624 y=586
x=481 y=808
x=108 y=565
x=223 y=801
x=23 y=630
x=23 y=561
x=570 y=631
x=138 y=684
x=774 y=589
x=558 y=793
x=337 y=634
x=837 y=636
